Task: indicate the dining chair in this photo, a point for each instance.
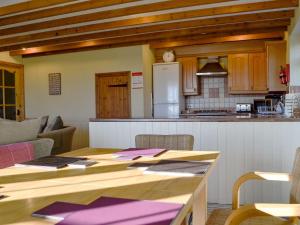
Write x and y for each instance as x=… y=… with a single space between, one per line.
x=174 y=142
x=260 y=213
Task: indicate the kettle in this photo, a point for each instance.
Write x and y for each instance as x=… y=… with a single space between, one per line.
x=279 y=107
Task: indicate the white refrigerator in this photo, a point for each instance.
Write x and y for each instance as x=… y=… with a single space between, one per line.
x=168 y=100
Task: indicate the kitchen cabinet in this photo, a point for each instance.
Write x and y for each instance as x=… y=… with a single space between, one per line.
x=247 y=73
x=238 y=73
x=276 y=57
x=190 y=81
x=257 y=72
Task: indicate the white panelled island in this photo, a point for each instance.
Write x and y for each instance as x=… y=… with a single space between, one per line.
x=246 y=144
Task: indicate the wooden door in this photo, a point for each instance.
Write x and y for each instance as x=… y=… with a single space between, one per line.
x=238 y=73
x=257 y=72
x=12 y=91
x=113 y=95
x=190 y=81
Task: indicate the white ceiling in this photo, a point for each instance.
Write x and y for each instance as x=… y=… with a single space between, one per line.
x=11 y=2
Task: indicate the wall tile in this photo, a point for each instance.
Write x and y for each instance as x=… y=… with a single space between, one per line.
x=214 y=95
x=294 y=89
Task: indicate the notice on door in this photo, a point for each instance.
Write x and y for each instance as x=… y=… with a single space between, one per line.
x=137 y=80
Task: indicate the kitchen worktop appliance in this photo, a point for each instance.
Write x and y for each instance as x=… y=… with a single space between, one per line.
x=243 y=108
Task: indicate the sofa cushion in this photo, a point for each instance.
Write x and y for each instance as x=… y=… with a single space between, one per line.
x=12 y=131
x=56 y=124
x=44 y=122
x=42 y=147
x=15 y=153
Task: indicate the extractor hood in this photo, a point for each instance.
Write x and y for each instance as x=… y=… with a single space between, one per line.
x=212 y=68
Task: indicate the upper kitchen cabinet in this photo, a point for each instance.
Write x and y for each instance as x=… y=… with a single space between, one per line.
x=247 y=73
x=238 y=73
x=276 y=57
x=190 y=81
x=258 y=73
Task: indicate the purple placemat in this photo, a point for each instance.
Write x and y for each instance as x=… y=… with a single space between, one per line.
x=127 y=157
x=58 y=210
x=116 y=211
x=151 y=152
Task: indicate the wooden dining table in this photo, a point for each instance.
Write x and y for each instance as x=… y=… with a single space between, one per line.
x=27 y=189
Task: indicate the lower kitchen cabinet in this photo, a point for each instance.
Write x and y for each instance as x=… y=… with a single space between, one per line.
x=244 y=147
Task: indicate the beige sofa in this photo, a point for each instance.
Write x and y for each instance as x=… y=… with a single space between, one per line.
x=62 y=139
x=13 y=132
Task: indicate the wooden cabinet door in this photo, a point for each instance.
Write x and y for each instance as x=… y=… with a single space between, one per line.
x=276 y=57
x=190 y=81
x=238 y=73
x=258 y=73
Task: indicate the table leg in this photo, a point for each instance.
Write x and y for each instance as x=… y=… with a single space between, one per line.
x=200 y=206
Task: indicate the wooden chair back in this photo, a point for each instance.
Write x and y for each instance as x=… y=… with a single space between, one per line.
x=174 y=142
x=295 y=191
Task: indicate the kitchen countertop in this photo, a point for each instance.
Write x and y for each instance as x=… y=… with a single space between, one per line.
x=230 y=118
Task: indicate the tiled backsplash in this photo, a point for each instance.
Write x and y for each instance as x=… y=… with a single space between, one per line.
x=214 y=95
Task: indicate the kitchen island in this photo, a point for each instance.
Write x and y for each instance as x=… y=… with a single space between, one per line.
x=261 y=143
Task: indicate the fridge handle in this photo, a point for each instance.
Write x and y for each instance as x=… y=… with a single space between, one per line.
x=151 y=103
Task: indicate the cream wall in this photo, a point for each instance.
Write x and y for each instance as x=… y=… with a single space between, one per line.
x=77 y=102
x=4 y=56
x=148 y=60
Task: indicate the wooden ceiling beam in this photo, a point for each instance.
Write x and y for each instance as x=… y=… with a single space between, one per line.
x=177 y=42
x=117 y=24
x=202 y=41
x=180 y=29
x=168 y=17
x=30 y=5
x=61 y=10
x=133 y=10
x=167 y=36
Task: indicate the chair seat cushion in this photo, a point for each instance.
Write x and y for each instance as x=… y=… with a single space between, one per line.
x=219 y=216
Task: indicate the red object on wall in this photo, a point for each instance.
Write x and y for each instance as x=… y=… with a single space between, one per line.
x=285 y=74
x=287 y=69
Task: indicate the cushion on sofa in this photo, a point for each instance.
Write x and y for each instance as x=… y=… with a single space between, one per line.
x=44 y=122
x=42 y=147
x=13 y=132
x=15 y=153
x=56 y=124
